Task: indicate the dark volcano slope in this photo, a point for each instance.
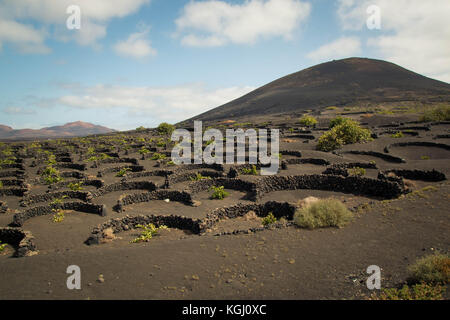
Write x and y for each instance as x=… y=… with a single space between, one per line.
x=335 y=83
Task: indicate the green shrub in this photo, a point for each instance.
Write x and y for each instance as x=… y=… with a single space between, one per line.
x=102 y=156
x=165 y=129
x=148 y=231
x=144 y=151
x=1 y=184
x=199 y=176
x=58 y=201
x=58 y=216
x=219 y=193
x=441 y=113
x=141 y=128
x=357 y=171
x=397 y=135
x=75 y=186
x=2 y=246
x=161 y=143
x=158 y=156
x=421 y=291
x=425 y=157
x=252 y=170
x=346 y=133
x=51 y=175
x=431 y=269
x=10 y=160
x=338 y=121
x=51 y=160
x=323 y=213
x=91 y=150
x=122 y=172
x=308 y=121
x=269 y=219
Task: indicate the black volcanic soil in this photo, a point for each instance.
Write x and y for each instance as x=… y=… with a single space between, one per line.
x=274 y=263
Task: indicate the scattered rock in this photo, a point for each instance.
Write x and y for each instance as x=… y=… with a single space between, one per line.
x=196 y=203
x=101 y=279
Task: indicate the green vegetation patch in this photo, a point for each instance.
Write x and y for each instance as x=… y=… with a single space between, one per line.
x=165 y=129
x=308 y=121
x=432 y=269
x=147 y=233
x=440 y=113
x=219 y=193
x=347 y=132
x=323 y=213
x=269 y=219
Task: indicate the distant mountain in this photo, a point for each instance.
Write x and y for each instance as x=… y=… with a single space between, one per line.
x=336 y=83
x=69 y=130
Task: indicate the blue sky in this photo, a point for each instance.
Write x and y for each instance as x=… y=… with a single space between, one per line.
x=141 y=62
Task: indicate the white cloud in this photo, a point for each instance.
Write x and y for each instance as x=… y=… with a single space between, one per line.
x=216 y=23
x=24 y=37
x=163 y=103
x=414 y=33
x=136 y=46
x=18 y=111
x=51 y=14
x=340 y=48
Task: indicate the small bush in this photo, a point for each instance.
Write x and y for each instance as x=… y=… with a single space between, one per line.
x=158 y=156
x=199 y=176
x=421 y=291
x=252 y=170
x=431 y=269
x=269 y=219
x=161 y=143
x=441 y=113
x=346 y=133
x=397 y=135
x=219 y=193
x=122 y=172
x=51 y=160
x=308 y=121
x=323 y=213
x=58 y=201
x=51 y=175
x=102 y=156
x=165 y=128
x=357 y=172
x=144 y=151
x=58 y=216
x=75 y=186
x=2 y=246
x=141 y=128
x=148 y=231
x=338 y=121
x=425 y=157
x=1 y=184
